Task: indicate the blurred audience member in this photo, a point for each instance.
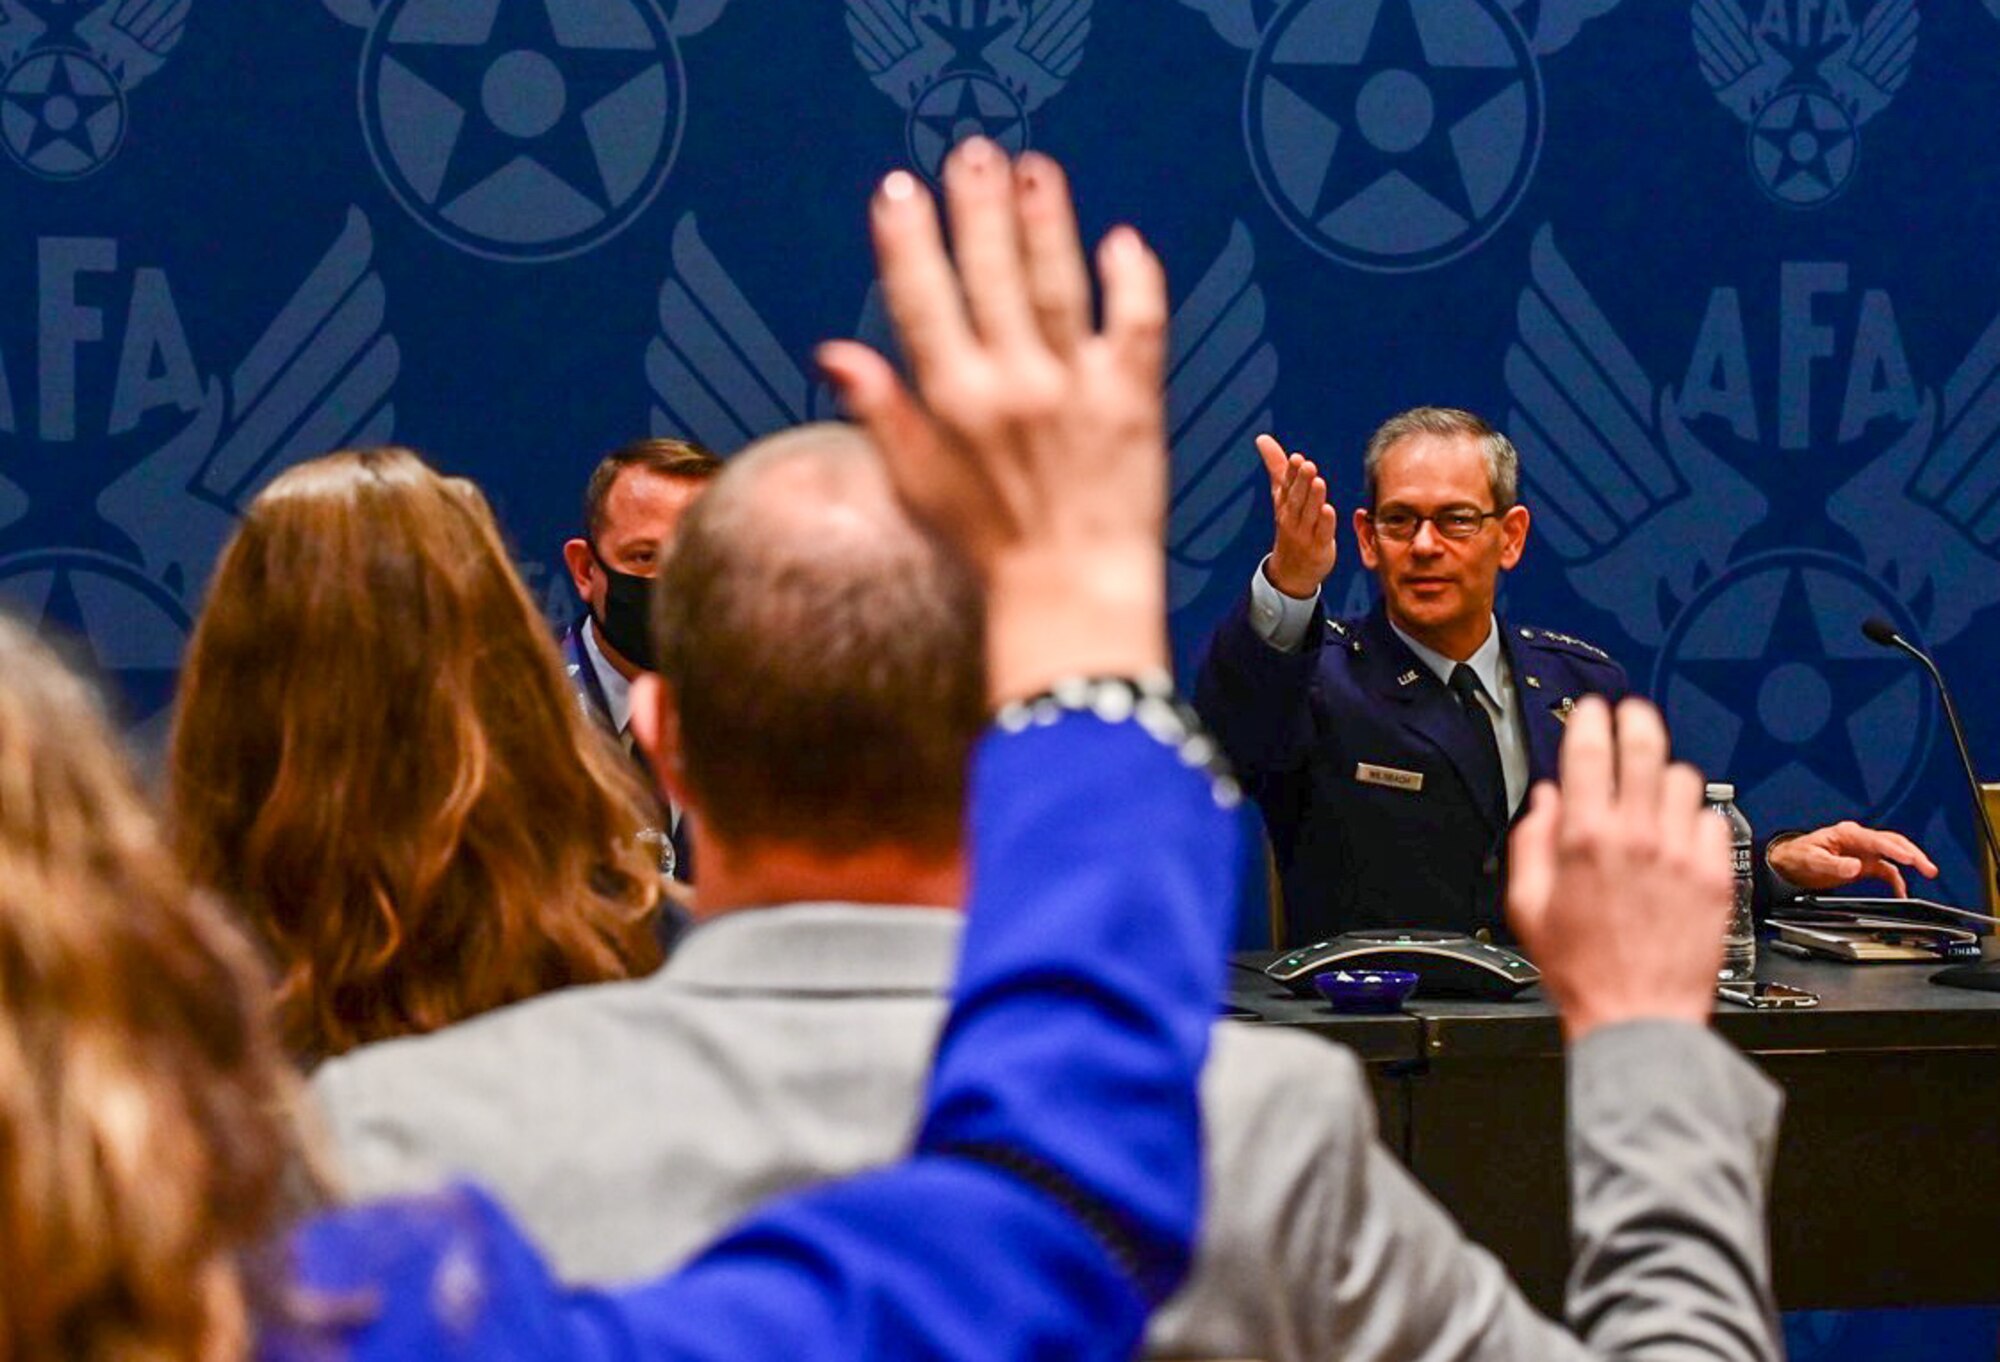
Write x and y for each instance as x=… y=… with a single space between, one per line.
x=144 y=1104
x=375 y=758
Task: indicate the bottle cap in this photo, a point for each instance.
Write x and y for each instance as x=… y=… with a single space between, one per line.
x=1720 y=792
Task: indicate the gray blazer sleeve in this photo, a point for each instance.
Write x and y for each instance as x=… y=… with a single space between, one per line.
x=1672 y=1134
x=1320 y=1244
x=375 y=1153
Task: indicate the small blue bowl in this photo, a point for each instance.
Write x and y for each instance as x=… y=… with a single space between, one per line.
x=1366 y=990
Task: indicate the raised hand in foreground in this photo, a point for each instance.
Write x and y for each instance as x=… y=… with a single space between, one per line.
x=1619 y=887
x=1039 y=446
x=1619 y=882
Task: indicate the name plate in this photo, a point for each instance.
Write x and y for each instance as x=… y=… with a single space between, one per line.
x=1412 y=781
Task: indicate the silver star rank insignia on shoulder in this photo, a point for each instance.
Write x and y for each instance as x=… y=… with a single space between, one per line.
x=1565 y=641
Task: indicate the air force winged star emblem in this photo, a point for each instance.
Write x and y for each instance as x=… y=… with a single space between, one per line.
x=1395 y=135
x=65 y=70
x=1221 y=372
x=717 y=372
x=523 y=130
x=719 y=375
x=1756 y=658
x=318 y=378
x=1927 y=512
x=1804 y=78
x=967 y=67
x=1622 y=489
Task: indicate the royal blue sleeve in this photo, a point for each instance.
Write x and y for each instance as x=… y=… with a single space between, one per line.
x=1051 y=1198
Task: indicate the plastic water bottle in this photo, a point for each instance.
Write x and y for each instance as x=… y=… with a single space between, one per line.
x=1739 y=942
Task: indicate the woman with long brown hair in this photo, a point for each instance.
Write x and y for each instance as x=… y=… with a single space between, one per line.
x=376 y=759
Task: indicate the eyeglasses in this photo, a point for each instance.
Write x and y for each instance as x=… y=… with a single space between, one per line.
x=1453 y=522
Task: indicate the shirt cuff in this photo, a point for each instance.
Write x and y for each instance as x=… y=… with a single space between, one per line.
x=1778 y=839
x=1777 y=889
x=1280 y=620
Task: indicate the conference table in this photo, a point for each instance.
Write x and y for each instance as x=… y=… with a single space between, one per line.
x=1886 y=1190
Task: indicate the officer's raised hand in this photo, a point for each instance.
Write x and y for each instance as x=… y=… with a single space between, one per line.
x=1303 y=552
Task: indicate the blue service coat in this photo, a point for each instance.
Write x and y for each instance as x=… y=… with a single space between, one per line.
x=1363 y=766
x=1050 y=1200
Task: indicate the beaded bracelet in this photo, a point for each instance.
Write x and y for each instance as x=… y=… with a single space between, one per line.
x=1149 y=700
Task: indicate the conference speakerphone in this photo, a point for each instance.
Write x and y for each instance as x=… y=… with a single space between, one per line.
x=1447 y=964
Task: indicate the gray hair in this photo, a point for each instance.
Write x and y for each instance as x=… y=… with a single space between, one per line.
x=1503 y=462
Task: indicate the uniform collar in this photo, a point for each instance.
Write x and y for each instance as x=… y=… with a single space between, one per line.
x=820 y=948
x=1485 y=661
x=617 y=691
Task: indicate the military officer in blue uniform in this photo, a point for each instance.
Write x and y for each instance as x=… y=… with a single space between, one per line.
x=1390 y=753
x=631 y=508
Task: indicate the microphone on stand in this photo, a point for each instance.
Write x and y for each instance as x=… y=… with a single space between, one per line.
x=1985 y=975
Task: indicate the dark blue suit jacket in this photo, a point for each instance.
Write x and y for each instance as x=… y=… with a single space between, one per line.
x=1361 y=761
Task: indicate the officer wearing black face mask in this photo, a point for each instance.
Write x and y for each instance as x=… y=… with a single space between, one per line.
x=632 y=505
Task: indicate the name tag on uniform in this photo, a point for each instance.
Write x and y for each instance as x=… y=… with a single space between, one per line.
x=1412 y=781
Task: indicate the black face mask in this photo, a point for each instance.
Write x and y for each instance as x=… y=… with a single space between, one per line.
x=626 y=614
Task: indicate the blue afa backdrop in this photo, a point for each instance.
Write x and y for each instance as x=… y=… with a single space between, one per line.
x=1723 y=268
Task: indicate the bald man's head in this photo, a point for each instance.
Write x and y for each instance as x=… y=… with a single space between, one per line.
x=826 y=656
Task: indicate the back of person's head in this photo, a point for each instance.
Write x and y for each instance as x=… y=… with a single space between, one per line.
x=377 y=759
x=144 y=1107
x=825 y=655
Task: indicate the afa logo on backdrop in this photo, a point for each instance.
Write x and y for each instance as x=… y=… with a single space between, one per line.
x=963 y=68
x=1653 y=494
x=523 y=130
x=1395 y=135
x=124 y=462
x=66 y=67
x=1804 y=78
x=719 y=375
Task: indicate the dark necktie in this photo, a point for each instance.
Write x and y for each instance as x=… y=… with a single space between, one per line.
x=1485 y=743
